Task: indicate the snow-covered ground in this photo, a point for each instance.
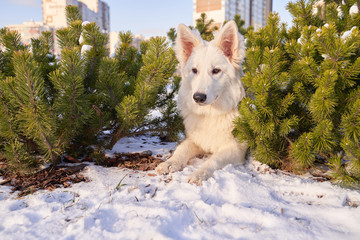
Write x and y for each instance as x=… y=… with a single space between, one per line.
x=239 y=202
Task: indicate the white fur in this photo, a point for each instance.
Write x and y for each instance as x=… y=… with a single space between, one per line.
x=209 y=125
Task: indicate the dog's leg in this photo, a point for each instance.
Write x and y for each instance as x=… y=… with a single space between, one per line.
x=183 y=153
x=231 y=154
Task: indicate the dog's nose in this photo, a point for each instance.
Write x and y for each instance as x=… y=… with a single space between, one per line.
x=199 y=97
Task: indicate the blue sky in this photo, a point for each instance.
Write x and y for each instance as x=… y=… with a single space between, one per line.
x=146 y=17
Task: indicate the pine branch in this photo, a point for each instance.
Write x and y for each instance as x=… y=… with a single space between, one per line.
x=300 y=59
x=35 y=120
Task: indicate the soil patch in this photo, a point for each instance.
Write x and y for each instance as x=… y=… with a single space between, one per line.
x=143 y=161
x=48 y=178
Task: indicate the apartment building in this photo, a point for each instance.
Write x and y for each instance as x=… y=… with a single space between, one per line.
x=54 y=16
x=53 y=12
x=91 y=10
x=254 y=12
x=29 y=30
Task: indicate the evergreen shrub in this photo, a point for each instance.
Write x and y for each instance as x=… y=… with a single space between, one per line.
x=50 y=107
x=303 y=90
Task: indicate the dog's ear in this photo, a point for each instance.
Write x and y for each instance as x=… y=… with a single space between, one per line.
x=231 y=43
x=186 y=41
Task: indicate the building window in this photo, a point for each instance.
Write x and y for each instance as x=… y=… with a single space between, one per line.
x=49 y=19
x=207 y=5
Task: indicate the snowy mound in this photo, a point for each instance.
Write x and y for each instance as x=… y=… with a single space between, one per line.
x=239 y=202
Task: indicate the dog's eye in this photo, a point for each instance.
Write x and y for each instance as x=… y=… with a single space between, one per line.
x=216 y=71
x=194 y=70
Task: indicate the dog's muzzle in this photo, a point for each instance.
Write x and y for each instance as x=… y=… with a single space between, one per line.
x=199 y=97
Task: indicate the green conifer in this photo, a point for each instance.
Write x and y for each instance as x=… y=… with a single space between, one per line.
x=51 y=107
x=158 y=66
x=42 y=50
x=303 y=84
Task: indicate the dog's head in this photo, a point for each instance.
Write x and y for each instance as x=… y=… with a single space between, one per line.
x=211 y=70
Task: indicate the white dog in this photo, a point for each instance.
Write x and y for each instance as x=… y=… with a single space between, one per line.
x=209 y=94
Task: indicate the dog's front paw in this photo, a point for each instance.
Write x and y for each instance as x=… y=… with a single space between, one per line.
x=199 y=176
x=163 y=168
x=195 y=179
x=168 y=167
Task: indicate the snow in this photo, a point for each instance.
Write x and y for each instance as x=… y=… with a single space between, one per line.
x=84 y=23
x=325 y=56
x=319 y=4
x=142 y=143
x=348 y=33
x=340 y=12
x=314 y=11
x=354 y=10
x=85 y=48
x=239 y=202
x=81 y=39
